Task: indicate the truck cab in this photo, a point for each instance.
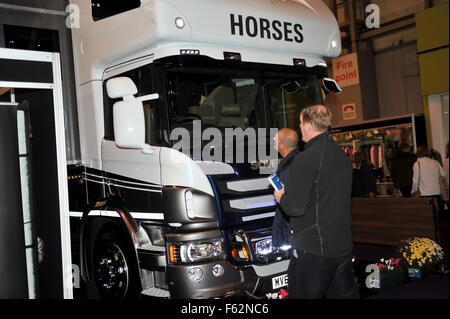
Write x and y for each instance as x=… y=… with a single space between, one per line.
x=178 y=103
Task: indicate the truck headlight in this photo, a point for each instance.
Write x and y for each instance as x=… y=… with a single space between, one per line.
x=264 y=247
x=197 y=251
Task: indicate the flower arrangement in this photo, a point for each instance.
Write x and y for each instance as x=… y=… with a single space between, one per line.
x=390 y=275
x=388 y=266
x=419 y=252
x=282 y=294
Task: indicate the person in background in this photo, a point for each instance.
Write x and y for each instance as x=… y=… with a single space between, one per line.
x=364 y=180
x=286 y=143
x=446 y=195
x=402 y=169
x=436 y=156
x=317 y=196
x=426 y=176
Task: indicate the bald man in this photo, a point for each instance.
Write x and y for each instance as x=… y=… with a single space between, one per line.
x=286 y=143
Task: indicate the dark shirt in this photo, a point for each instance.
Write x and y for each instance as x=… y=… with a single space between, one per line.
x=321 y=213
x=364 y=181
x=280 y=226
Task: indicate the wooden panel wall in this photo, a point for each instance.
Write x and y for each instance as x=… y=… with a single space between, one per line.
x=386 y=221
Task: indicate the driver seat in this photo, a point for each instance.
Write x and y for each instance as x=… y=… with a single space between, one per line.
x=210 y=109
x=231 y=116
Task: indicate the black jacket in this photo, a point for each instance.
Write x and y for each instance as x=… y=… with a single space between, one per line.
x=364 y=181
x=320 y=200
x=402 y=168
x=280 y=226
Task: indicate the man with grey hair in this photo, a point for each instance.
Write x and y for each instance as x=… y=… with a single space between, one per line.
x=317 y=196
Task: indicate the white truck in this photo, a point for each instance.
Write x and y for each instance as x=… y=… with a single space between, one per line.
x=146 y=218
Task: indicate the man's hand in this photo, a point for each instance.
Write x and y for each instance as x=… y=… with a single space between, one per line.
x=278 y=195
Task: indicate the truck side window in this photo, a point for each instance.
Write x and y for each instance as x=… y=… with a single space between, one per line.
x=102 y=9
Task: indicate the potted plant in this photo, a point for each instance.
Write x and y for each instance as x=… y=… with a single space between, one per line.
x=391 y=275
x=419 y=256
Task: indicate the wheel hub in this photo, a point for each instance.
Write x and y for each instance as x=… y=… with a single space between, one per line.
x=112 y=271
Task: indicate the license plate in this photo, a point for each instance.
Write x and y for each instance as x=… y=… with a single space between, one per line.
x=279 y=281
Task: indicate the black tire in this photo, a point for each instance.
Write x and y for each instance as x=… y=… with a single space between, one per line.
x=114 y=268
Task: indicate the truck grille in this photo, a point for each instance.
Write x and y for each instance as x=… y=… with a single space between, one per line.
x=247 y=207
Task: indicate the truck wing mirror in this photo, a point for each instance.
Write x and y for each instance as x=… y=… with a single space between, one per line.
x=330 y=85
x=128 y=114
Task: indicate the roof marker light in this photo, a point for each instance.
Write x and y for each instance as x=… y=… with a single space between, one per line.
x=235 y=56
x=189 y=52
x=179 y=22
x=333 y=44
x=299 y=62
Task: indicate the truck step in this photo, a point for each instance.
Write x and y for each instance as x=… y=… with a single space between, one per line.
x=156 y=292
x=150 y=247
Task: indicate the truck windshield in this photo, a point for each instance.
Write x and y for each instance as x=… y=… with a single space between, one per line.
x=239 y=99
x=286 y=97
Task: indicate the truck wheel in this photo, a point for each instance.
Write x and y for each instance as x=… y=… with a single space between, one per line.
x=114 y=268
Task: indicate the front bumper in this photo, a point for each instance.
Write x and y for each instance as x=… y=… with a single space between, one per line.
x=254 y=280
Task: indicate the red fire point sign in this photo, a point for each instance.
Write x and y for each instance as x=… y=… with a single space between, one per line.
x=345 y=70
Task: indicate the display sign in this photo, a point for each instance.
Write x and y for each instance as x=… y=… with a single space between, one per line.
x=345 y=70
x=349 y=111
x=265 y=28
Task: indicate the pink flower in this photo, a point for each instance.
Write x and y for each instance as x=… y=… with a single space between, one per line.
x=283 y=293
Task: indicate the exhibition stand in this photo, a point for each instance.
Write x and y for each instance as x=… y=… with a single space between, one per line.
x=35 y=258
